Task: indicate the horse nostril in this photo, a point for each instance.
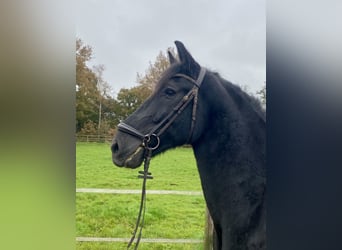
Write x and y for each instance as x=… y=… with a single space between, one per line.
x=115 y=147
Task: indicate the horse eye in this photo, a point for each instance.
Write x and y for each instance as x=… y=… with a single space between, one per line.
x=170 y=92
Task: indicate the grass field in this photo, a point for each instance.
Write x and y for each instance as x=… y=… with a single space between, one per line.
x=114 y=215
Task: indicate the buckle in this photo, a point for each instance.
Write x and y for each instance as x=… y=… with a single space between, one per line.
x=151 y=142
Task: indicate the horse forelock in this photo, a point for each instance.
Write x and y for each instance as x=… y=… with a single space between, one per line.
x=172 y=70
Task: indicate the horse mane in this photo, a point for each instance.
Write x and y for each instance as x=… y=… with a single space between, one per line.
x=241 y=97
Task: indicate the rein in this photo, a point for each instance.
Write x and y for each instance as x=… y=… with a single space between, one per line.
x=151 y=141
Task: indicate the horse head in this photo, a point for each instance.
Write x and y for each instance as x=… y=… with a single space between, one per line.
x=168 y=118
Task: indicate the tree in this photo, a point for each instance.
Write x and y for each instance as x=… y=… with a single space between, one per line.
x=89 y=128
x=95 y=108
x=110 y=112
x=86 y=87
x=262 y=94
x=154 y=71
x=103 y=90
x=128 y=100
x=94 y=105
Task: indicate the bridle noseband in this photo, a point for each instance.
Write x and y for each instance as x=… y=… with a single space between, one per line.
x=151 y=141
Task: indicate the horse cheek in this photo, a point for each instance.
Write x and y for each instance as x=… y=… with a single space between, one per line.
x=158 y=116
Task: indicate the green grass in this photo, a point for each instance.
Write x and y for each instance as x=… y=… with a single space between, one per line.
x=142 y=246
x=173 y=170
x=114 y=215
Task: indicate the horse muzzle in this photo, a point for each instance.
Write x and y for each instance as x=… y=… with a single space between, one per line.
x=130 y=158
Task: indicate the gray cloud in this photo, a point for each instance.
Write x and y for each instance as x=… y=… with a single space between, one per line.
x=226 y=36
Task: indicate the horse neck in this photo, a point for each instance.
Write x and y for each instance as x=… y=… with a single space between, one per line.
x=233 y=141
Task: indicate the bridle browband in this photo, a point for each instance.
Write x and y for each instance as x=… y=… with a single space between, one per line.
x=151 y=141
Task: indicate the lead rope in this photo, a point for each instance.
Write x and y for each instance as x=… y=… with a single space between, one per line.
x=141 y=216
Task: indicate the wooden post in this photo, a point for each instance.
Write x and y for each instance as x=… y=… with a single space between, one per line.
x=209 y=230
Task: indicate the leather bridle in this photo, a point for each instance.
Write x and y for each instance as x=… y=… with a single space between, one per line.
x=151 y=141
x=153 y=135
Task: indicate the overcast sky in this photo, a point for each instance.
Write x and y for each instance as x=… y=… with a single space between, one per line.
x=228 y=36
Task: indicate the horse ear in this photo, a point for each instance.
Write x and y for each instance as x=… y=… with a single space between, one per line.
x=172 y=59
x=187 y=59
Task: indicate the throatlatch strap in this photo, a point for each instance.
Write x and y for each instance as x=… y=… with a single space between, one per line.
x=200 y=77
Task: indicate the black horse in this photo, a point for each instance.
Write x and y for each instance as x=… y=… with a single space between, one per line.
x=227 y=130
